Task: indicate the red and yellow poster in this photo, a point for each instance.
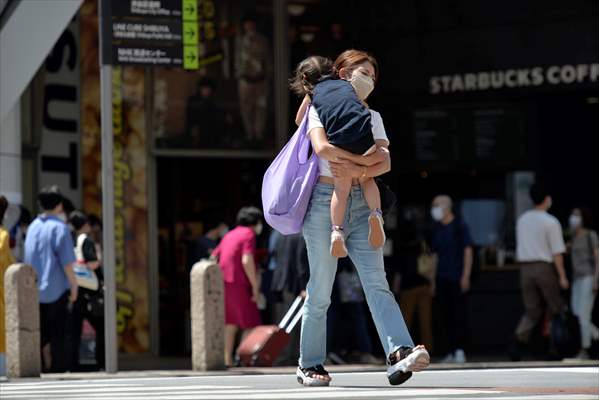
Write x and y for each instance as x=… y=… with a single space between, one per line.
x=130 y=179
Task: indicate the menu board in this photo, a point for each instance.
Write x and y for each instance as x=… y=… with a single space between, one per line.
x=435 y=135
x=469 y=135
x=177 y=33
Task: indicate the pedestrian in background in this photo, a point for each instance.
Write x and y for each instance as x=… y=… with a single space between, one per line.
x=452 y=243
x=214 y=230
x=236 y=257
x=348 y=338
x=253 y=69
x=539 y=251
x=289 y=280
x=49 y=249
x=584 y=252
x=6 y=260
x=90 y=303
x=17 y=229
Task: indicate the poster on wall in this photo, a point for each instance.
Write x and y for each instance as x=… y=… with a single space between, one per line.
x=130 y=180
x=226 y=103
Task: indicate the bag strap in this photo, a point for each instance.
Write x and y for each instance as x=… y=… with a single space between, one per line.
x=305 y=143
x=591 y=249
x=79 y=247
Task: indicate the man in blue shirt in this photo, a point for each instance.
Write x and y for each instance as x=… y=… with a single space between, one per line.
x=49 y=249
x=453 y=245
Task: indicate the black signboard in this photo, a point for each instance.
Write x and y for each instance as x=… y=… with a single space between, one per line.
x=492 y=135
x=158 y=32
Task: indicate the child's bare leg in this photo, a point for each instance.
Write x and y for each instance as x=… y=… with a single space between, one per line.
x=338 y=208
x=372 y=195
x=339 y=200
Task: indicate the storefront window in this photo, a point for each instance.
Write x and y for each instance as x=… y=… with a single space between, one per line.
x=227 y=104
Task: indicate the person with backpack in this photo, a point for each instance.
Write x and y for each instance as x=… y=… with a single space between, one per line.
x=90 y=302
x=452 y=243
x=584 y=253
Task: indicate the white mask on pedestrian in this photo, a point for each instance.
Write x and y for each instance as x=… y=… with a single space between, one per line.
x=224 y=231
x=259 y=228
x=575 y=221
x=63 y=217
x=437 y=213
x=362 y=84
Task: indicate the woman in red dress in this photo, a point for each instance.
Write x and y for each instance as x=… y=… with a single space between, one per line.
x=235 y=255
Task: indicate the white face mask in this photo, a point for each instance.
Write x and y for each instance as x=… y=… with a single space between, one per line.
x=63 y=217
x=258 y=229
x=223 y=232
x=437 y=213
x=363 y=85
x=575 y=221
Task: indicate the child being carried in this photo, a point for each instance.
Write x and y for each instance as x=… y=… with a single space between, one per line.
x=347 y=121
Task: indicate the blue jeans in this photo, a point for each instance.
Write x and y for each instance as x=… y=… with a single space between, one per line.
x=387 y=317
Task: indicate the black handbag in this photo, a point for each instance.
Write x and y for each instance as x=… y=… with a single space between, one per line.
x=388 y=198
x=565 y=333
x=93 y=301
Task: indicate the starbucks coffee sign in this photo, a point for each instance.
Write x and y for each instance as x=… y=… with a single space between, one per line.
x=568 y=74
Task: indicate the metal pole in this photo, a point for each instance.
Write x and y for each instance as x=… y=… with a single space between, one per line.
x=108 y=260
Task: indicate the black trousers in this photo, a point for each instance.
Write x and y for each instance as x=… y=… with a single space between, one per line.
x=453 y=304
x=78 y=313
x=53 y=320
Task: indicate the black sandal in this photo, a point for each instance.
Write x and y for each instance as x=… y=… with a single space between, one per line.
x=307 y=376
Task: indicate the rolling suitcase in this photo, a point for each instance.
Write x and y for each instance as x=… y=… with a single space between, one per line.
x=264 y=343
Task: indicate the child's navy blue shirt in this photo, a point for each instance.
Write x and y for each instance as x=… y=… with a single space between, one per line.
x=346 y=121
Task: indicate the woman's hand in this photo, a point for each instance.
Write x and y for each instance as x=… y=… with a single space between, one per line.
x=255 y=294
x=346 y=169
x=380 y=155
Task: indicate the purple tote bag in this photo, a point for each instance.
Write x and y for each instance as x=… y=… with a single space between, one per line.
x=288 y=183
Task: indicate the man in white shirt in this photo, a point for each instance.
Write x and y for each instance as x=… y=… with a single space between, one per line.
x=540 y=245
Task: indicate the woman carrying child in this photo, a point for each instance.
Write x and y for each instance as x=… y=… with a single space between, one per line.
x=344 y=211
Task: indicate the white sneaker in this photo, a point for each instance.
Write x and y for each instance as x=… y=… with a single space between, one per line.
x=448 y=359
x=582 y=355
x=459 y=356
x=404 y=361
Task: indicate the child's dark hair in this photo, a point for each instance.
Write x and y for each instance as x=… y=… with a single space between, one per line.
x=309 y=72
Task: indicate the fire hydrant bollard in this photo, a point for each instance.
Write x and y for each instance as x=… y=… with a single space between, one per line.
x=207 y=317
x=21 y=299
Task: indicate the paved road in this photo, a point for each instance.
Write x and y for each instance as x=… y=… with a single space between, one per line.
x=528 y=383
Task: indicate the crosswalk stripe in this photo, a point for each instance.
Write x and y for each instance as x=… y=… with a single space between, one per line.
x=300 y=393
x=106 y=388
